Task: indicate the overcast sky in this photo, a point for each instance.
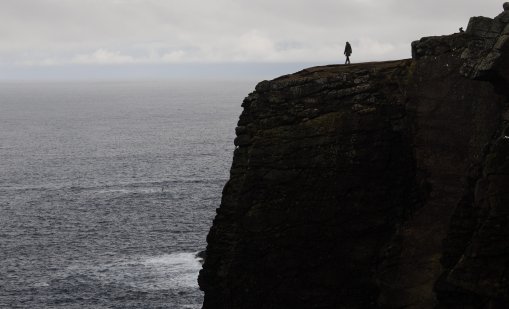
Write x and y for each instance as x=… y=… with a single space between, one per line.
x=73 y=37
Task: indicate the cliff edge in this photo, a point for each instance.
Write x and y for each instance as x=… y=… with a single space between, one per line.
x=373 y=185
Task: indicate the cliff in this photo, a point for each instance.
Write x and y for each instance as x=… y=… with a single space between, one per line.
x=373 y=185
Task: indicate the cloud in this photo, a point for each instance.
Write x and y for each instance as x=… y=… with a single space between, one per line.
x=172 y=57
x=48 y=62
x=253 y=45
x=103 y=56
x=374 y=47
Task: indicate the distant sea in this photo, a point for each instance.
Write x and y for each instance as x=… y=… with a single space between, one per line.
x=108 y=189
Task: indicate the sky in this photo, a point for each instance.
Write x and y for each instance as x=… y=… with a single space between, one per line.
x=94 y=39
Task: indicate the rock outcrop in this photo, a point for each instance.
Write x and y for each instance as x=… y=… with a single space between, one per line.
x=374 y=185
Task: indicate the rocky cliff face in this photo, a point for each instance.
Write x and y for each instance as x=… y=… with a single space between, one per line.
x=375 y=185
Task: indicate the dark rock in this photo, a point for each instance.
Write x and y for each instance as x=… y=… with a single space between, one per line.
x=202 y=255
x=242 y=140
x=375 y=185
x=240 y=130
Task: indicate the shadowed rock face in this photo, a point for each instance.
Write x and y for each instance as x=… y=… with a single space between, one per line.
x=318 y=183
x=346 y=180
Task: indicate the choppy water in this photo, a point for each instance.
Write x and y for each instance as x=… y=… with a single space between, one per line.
x=107 y=190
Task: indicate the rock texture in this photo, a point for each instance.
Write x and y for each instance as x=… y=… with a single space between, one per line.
x=374 y=185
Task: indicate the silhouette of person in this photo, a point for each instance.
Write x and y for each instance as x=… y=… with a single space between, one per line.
x=348 y=52
x=461 y=30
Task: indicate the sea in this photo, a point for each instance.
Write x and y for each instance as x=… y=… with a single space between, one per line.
x=108 y=189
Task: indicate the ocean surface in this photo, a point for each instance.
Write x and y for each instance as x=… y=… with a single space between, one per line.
x=108 y=190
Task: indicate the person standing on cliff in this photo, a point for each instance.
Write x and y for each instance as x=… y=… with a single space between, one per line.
x=348 y=52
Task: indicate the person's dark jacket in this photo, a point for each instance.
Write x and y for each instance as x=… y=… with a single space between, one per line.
x=348 y=49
